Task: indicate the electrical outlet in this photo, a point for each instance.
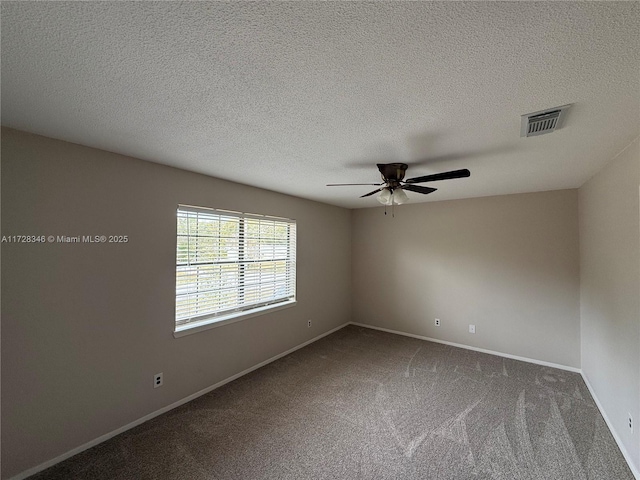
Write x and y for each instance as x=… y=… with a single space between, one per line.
x=157 y=380
x=309 y=323
x=630 y=422
x=437 y=322
x=472 y=329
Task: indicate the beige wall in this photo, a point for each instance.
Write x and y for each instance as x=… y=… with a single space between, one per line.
x=85 y=326
x=610 y=292
x=508 y=264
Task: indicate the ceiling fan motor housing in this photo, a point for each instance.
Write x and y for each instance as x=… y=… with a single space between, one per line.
x=392 y=173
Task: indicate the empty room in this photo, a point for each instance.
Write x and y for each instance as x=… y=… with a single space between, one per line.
x=320 y=240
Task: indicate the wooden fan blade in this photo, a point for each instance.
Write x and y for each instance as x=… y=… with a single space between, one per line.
x=441 y=176
x=371 y=193
x=346 y=184
x=418 y=189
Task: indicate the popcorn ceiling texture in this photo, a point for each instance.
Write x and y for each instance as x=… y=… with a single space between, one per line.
x=291 y=96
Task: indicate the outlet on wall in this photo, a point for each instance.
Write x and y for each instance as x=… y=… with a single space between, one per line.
x=309 y=323
x=157 y=380
x=437 y=322
x=630 y=422
x=472 y=329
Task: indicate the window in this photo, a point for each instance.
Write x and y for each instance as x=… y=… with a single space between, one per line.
x=231 y=264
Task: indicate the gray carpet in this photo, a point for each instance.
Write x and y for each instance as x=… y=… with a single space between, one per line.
x=363 y=404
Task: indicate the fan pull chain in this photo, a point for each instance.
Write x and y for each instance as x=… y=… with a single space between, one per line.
x=393 y=212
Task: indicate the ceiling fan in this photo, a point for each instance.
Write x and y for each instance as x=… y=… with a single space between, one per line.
x=393 y=183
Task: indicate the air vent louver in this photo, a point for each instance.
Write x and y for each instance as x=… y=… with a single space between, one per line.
x=545 y=121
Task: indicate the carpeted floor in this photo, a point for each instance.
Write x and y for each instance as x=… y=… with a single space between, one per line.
x=363 y=404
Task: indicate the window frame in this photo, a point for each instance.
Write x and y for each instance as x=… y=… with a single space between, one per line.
x=238 y=313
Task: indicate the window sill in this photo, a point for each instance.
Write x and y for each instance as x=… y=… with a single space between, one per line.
x=196 y=327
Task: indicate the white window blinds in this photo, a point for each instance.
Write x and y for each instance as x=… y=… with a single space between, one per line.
x=230 y=262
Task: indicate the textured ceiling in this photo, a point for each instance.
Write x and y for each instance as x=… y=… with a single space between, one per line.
x=291 y=96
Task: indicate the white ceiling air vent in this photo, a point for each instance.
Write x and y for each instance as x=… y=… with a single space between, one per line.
x=544 y=121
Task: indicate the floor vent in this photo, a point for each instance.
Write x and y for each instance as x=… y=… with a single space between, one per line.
x=545 y=121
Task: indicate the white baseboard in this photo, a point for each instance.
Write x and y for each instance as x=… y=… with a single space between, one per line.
x=613 y=431
x=107 y=436
x=475 y=349
x=135 y=423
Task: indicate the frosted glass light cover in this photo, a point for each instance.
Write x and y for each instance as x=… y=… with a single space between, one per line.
x=399 y=197
x=385 y=197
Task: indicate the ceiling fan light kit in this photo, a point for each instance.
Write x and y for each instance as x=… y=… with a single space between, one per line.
x=393 y=186
x=387 y=197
